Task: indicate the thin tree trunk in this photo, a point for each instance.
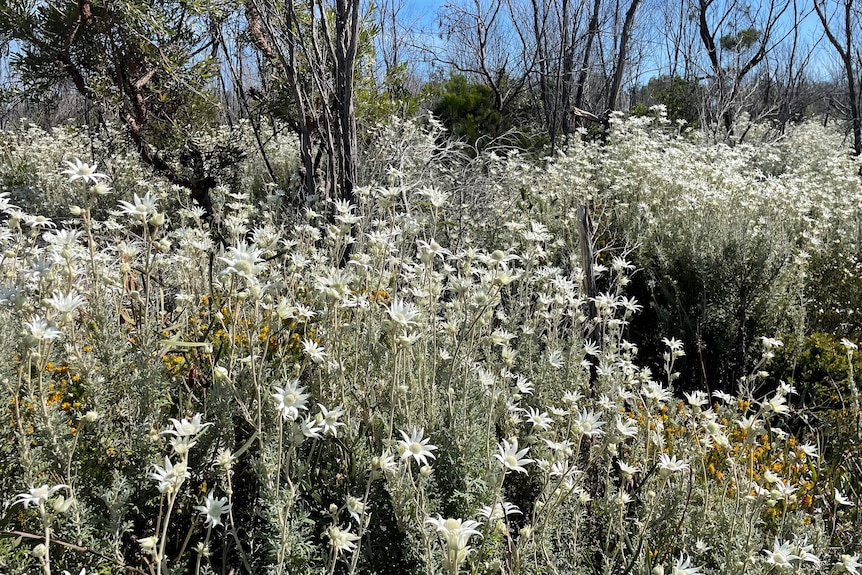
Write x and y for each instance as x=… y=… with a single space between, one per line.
x=619 y=69
x=846 y=54
x=592 y=30
x=347 y=40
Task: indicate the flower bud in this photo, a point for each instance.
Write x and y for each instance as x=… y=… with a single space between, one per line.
x=224 y=459
x=220 y=374
x=255 y=291
x=148 y=543
x=61 y=505
x=158 y=219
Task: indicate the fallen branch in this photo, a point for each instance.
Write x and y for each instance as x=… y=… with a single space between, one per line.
x=73 y=547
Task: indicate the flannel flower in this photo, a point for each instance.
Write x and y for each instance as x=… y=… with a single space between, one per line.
x=511 y=457
x=416 y=446
x=213 y=509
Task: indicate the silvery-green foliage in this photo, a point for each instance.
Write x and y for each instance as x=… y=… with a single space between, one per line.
x=416 y=382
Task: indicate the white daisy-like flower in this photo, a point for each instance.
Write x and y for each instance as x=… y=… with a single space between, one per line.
x=342 y=540
x=809 y=450
x=654 y=391
x=778 y=404
x=538 y=420
x=499 y=511
x=336 y=284
x=243 y=260
x=456 y=532
x=141 y=208
x=171 y=476
x=309 y=428
x=626 y=426
x=39 y=222
x=848 y=564
x=314 y=351
x=750 y=424
x=669 y=464
x=499 y=257
x=841 y=500
x=37 y=495
x=501 y=337
x=101 y=189
x=683 y=566
x=588 y=423
x=355 y=507
x=696 y=398
x=213 y=509
x=627 y=471
x=805 y=553
x=524 y=385
x=186 y=427
x=674 y=345
x=781 y=555
x=5 y=204
x=511 y=457
x=63 y=238
x=41 y=330
x=181 y=445
x=631 y=305
x=782 y=490
x=416 y=446
x=592 y=348
x=571 y=398
x=328 y=420
x=561 y=449
x=555 y=358
x=290 y=399
x=623 y=498
x=149 y=544
x=66 y=303
x=435 y=196
x=384 y=462
x=78 y=170
x=402 y=314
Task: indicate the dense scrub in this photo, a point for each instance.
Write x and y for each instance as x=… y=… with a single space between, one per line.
x=419 y=383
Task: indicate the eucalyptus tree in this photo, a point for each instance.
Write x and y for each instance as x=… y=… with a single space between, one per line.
x=736 y=38
x=312 y=50
x=148 y=63
x=569 y=57
x=842 y=23
x=481 y=44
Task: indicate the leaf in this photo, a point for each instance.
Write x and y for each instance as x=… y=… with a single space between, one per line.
x=169 y=344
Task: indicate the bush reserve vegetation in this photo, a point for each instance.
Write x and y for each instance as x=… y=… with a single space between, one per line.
x=275 y=299
x=419 y=382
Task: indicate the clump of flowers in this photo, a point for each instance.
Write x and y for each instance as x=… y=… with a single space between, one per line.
x=422 y=376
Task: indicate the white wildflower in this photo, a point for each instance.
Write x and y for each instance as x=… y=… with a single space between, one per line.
x=511 y=457
x=213 y=509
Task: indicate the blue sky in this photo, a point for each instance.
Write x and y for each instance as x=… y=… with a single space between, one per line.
x=422 y=17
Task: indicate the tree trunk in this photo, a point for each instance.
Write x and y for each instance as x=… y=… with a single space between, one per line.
x=347 y=39
x=592 y=30
x=619 y=69
x=845 y=52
